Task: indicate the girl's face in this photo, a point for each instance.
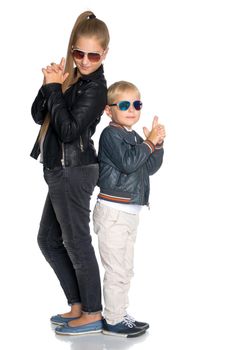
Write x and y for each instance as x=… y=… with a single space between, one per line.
x=88 y=54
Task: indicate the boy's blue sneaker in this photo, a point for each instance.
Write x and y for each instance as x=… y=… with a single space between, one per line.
x=93 y=327
x=59 y=320
x=125 y=328
x=138 y=324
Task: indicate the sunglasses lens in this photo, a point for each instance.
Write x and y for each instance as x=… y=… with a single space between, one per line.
x=137 y=105
x=93 y=56
x=124 y=105
x=78 y=54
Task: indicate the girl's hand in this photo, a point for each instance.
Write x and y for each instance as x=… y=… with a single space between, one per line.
x=55 y=73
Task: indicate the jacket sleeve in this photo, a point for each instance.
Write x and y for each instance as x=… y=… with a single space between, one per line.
x=69 y=122
x=115 y=149
x=155 y=161
x=39 y=108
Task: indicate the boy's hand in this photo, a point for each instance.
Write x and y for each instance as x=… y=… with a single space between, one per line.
x=162 y=133
x=157 y=133
x=154 y=124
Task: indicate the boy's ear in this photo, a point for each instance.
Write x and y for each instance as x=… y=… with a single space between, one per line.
x=108 y=111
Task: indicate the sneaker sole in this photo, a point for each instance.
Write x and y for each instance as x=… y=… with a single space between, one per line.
x=124 y=335
x=146 y=327
x=80 y=333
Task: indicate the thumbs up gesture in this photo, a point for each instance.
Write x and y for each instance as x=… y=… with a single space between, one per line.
x=157 y=133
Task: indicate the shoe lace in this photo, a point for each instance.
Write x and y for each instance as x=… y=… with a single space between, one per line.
x=130 y=318
x=128 y=321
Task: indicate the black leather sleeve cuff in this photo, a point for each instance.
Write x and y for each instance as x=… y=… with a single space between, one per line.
x=47 y=89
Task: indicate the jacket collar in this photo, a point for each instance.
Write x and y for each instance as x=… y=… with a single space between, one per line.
x=119 y=126
x=116 y=125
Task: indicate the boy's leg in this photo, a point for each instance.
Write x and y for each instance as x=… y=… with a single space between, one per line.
x=133 y=221
x=116 y=236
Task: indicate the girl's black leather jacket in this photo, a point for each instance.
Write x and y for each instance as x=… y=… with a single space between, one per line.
x=73 y=119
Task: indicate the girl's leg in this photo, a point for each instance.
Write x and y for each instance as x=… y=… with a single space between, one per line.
x=51 y=244
x=75 y=311
x=70 y=192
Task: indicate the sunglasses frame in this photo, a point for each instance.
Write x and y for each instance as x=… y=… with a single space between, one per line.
x=86 y=53
x=130 y=103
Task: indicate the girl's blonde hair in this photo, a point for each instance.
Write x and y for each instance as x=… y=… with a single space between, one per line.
x=118 y=88
x=86 y=25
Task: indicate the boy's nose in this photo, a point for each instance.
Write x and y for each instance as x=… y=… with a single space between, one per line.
x=131 y=108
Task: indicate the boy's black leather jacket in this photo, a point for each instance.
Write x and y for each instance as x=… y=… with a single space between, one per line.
x=74 y=116
x=125 y=162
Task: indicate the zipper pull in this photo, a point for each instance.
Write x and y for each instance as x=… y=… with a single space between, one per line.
x=63 y=155
x=81 y=144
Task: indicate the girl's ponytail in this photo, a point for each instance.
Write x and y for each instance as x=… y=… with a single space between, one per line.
x=89 y=26
x=69 y=66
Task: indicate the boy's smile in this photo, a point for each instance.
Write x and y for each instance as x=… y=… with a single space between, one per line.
x=128 y=117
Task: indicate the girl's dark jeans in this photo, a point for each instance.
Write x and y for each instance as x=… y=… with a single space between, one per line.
x=64 y=235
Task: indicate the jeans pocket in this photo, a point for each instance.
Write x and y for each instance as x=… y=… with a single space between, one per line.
x=88 y=187
x=90 y=177
x=53 y=176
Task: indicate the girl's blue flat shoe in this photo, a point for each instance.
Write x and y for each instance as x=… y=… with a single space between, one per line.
x=93 y=327
x=59 y=320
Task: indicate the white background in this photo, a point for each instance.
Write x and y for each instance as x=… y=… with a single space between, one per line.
x=179 y=54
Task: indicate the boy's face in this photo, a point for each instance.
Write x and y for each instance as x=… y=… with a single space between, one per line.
x=125 y=118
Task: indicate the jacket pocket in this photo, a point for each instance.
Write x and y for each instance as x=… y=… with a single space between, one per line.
x=130 y=140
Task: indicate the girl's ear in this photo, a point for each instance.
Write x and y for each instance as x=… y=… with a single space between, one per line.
x=105 y=53
x=108 y=111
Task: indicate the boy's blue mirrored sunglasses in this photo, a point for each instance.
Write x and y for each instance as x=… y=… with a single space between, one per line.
x=124 y=105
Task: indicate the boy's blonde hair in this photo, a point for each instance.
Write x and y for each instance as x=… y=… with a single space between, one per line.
x=119 y=87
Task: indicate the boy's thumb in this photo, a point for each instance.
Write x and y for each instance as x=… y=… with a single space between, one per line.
x=155 y=121
x=146 y=131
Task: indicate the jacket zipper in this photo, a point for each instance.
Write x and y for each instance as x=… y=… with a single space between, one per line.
x=81 y=144
x=143 y=191
x=63 y=155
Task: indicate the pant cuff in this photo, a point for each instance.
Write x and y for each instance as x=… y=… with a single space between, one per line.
x=91 y=313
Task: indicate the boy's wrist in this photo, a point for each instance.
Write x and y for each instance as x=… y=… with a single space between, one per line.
x=150 y=144
x=159 y=145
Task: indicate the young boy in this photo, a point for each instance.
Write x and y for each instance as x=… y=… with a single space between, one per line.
x=126 y=161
